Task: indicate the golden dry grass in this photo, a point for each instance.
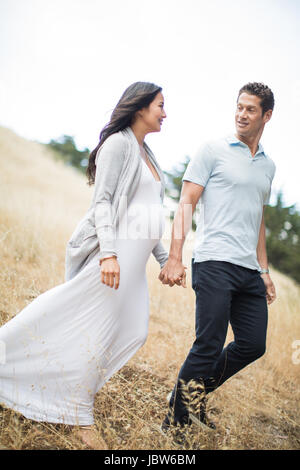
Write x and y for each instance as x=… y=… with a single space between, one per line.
x=41 y=201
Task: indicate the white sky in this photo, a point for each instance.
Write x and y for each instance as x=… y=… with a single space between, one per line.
x=65 y=63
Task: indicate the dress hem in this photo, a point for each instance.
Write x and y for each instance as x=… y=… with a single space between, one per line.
x=41 y=418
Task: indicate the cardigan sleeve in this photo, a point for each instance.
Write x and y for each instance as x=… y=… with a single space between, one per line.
x=109 y=162
x=160 y=254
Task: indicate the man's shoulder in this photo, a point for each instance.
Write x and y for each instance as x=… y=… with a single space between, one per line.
x=271 y=165
x=269 y=159
x=214 y=145
x=270 y=162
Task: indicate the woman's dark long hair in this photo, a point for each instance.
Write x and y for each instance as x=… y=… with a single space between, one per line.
x=137 y=96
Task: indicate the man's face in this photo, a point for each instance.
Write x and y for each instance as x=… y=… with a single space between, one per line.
x=249 y=119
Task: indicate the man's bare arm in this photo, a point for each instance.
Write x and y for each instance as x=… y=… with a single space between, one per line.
x=261 y=250
x=189 y=197
x=173 y=271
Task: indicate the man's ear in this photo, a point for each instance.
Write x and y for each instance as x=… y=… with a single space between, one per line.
x=268 y=115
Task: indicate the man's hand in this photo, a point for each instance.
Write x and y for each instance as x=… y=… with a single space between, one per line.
x=172 y=273
x=270 y=288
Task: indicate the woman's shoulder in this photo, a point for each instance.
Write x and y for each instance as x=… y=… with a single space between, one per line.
x=114 y=145
x=117 y=139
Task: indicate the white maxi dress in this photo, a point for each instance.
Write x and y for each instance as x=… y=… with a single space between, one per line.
x=62 y=348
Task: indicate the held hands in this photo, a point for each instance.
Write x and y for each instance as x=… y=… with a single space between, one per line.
x=110 y=272
x=270 y=288
x=172 y=273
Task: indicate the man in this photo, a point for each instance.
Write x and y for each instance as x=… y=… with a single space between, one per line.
x=230 y=275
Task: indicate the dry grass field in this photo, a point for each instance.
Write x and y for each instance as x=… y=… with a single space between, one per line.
x=41 y=201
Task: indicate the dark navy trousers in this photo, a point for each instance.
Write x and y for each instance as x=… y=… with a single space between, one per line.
x=225 y=293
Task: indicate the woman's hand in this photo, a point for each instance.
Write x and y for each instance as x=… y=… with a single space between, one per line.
x=172 y=273
x=110 y=272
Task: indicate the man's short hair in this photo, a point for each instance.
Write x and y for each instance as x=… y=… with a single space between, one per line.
x=262 y=91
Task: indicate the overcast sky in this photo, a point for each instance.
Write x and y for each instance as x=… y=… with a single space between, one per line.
x=65 y=64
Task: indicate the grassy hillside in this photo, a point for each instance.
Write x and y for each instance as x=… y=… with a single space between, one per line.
x=40 y=203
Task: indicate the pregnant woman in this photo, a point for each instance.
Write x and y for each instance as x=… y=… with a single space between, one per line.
x=65 y=345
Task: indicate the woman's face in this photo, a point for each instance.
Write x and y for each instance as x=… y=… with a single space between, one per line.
x=154 y=114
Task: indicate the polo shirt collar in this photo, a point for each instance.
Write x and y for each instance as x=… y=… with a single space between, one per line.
x=233 y=140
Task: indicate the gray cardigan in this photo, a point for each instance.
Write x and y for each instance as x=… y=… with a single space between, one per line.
x=118 y=172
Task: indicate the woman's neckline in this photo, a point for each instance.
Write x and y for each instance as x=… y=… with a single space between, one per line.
x=156 y=181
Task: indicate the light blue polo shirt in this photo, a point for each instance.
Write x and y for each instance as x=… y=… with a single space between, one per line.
x=237 y=186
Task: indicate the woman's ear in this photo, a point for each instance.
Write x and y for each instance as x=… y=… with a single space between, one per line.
x=140 y=113
x=135 y=117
